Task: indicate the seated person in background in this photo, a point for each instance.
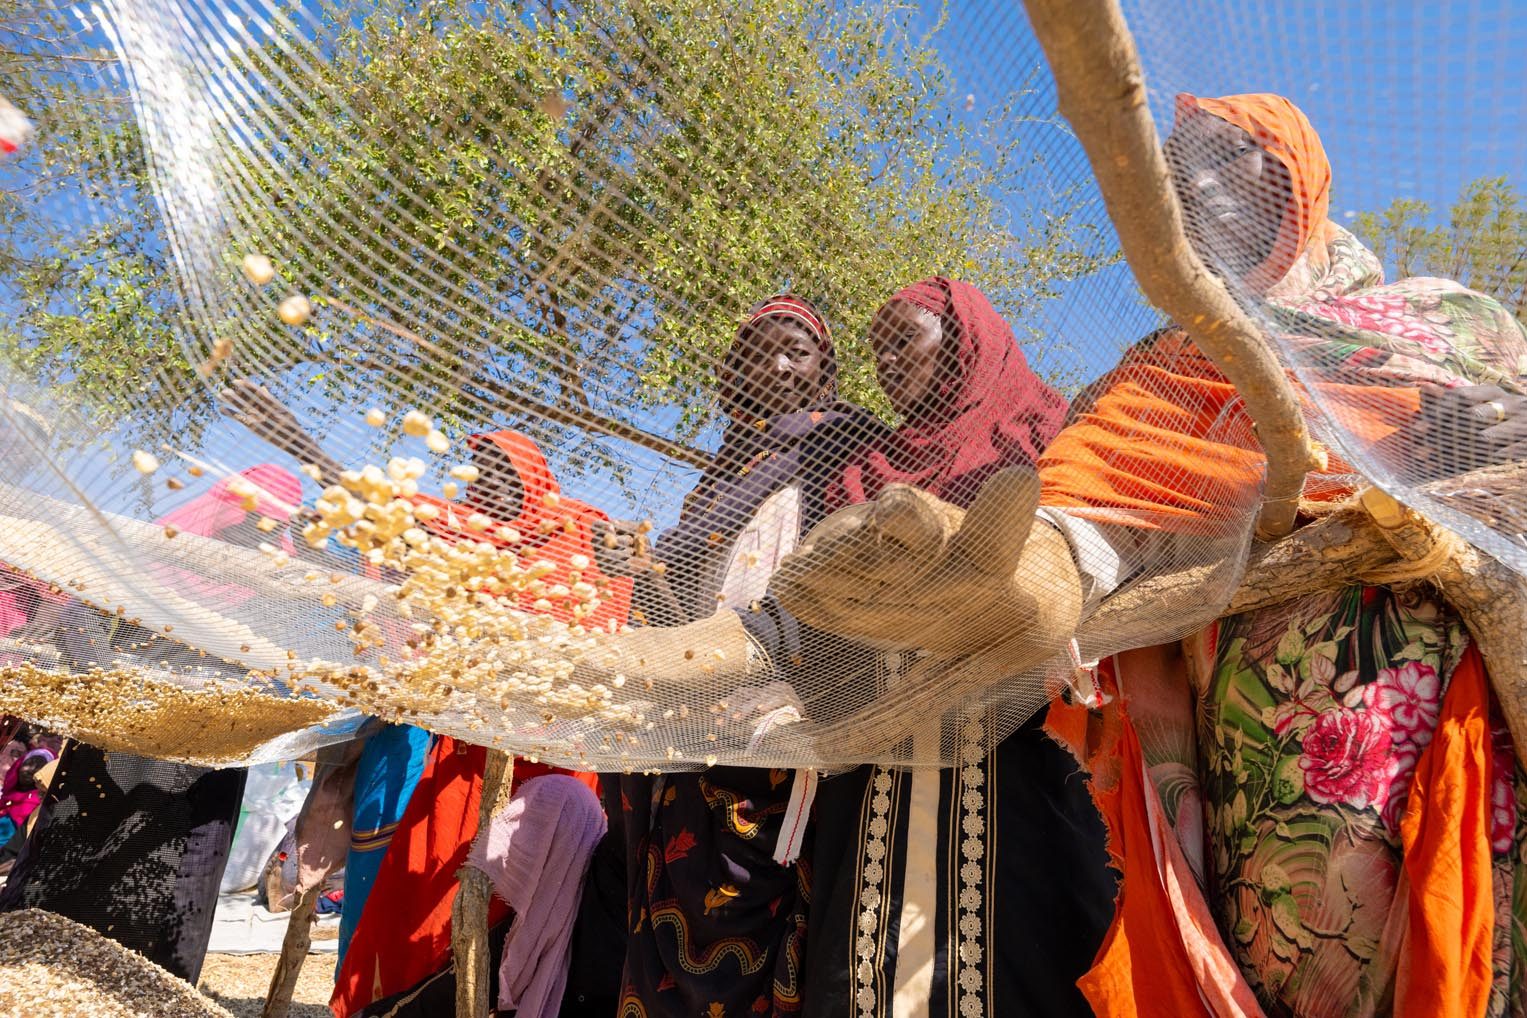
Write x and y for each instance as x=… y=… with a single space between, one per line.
x=20 y=794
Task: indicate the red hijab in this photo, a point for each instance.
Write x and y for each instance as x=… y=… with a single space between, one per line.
x=994 y=412
x=553 y=528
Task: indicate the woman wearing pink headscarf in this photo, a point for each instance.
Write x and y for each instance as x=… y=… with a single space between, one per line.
x=136 y=847
x=19 y=794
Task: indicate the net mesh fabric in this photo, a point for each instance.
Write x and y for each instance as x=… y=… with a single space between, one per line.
x=553 y=219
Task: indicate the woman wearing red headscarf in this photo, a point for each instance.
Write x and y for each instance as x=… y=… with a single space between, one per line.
x=936 y=891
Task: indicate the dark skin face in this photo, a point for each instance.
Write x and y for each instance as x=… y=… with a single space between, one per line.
x=909 y=356
x=26 y=775
x=779 y=366
x=1233 y=193
x=498 y=491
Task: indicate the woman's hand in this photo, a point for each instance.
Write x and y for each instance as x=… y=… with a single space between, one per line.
x=1469 y=427
x=911 y=572
x=621 y=548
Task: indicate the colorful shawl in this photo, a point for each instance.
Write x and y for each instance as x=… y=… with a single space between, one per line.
x=275 y=494
x=993 y=413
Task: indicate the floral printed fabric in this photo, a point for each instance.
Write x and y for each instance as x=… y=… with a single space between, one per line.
x=1314 y=717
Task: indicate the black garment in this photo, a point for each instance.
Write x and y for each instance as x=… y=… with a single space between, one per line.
x=716 y=925
x=599 y=933
x=133 y=848
x=1043 y=892
x=435 y=996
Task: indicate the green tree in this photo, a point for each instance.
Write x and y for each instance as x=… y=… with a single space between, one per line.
x=563 y=206
x=1483 y=243
x=90 y=302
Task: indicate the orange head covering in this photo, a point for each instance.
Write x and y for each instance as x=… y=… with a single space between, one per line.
x=552 y=527
x=1283 y=130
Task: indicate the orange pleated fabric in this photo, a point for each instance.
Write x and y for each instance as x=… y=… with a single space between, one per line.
x=1445 y=968
x=1162 y=956
x=1163 y=434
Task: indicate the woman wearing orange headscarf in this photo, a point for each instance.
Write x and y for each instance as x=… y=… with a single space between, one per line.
x=398 y=961
x=1314 y=804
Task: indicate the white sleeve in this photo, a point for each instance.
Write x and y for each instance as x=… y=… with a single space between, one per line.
x=1097 y=560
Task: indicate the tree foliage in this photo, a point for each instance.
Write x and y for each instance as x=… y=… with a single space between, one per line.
x=572 y=203
x=1482 y=244
x=91 y=304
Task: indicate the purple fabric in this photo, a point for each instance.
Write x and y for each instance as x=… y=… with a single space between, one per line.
x=535 y=855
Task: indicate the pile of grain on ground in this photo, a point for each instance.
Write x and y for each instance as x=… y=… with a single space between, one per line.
x=239 y=982
x=51 y=965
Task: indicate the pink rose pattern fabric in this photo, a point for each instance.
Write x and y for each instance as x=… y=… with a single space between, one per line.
x=1313 y=718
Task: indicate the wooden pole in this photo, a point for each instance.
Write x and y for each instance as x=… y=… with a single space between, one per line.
x=469 y=913
x=1101 y=91
x=1492 y=598
x=294 y=951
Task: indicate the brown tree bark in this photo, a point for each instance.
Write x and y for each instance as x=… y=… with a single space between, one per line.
x=1492 y=598
x=1328 y=554
x=294 y=951
x=469 y=913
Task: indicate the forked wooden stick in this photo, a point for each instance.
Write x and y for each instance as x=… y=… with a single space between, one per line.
x=1101 y=91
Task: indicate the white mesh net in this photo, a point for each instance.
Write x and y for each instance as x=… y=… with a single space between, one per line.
x=346 y=340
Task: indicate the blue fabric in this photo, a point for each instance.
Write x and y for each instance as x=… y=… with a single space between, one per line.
x=389 y=769
x=7 y=830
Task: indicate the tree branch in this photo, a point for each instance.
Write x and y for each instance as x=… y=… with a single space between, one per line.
x=1101 y=92
x=1328 y=554
x=596 y=423
x=469 y=912
x=1489 y=596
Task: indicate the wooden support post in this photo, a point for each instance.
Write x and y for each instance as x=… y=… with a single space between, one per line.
x=469 y=913
x=294 y=951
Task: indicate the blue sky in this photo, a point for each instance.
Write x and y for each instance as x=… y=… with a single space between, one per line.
x=1411 y=101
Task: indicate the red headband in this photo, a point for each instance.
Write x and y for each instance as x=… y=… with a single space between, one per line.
x=787 y=304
